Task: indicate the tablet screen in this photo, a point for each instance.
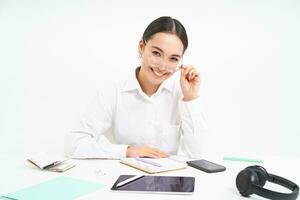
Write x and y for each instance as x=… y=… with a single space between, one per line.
x=167 y=184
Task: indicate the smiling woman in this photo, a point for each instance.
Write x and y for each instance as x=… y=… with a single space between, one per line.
x=159 y=60
x=151 y=111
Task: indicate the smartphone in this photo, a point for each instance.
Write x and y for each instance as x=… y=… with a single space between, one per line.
x=206 y=166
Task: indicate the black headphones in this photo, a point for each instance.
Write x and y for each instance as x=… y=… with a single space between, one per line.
x=252 y=179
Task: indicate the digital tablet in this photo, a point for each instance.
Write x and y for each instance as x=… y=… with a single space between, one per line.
x=156 y=184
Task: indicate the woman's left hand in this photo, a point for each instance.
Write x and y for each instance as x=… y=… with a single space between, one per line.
x=190 y=82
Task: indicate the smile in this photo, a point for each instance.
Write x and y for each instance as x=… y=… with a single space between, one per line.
x=157 y=73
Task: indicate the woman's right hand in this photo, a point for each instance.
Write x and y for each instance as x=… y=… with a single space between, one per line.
x=145 y=151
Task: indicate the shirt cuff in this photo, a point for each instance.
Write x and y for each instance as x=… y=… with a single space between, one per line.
x=190 y=108
x=119 y=151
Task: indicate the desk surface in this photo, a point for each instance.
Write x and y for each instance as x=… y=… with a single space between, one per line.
x=16 y=173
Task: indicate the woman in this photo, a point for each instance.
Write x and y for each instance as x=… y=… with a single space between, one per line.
x=151 y=112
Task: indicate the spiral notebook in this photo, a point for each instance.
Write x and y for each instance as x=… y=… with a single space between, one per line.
x=151 y=165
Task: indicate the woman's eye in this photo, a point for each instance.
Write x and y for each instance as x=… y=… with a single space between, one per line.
x=155 y=53
x=174 y=59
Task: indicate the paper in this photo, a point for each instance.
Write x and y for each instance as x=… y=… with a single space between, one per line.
x=42 y=160
x=61 y=167
x=151 y=165
x=50 y=162
x=61 y=188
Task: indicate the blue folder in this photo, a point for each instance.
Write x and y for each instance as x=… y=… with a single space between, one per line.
x=62 y=187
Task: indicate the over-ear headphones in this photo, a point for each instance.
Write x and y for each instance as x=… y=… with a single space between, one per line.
x=252 y=179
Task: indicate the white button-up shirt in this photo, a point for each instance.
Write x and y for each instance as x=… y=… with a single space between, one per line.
x=131 y=117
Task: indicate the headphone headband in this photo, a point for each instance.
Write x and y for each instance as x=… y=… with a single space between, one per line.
x=253 y=186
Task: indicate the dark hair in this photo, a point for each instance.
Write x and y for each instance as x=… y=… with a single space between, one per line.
x=166 y=24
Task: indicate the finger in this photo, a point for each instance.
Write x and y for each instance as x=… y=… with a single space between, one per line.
x=162 y=154
x=181 y=72
x=191 y=70
x=158 y=153
x=183 y=75
x=143 y=152
x=186 y=69
x=197 y=79
x=197 y=76
x=157 y=150
x=192 y=74
x=149 y=155
x=188 y=73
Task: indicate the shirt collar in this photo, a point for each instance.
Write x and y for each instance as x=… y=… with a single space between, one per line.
x=133 y=84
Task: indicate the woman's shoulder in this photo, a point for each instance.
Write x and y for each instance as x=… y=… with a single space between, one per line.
x=112 y=88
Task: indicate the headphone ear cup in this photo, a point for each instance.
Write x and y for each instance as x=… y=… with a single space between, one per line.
x=261 y=173
x=245 y=181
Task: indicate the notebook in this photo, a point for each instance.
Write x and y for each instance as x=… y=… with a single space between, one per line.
x=49 y=162
x=151 y=165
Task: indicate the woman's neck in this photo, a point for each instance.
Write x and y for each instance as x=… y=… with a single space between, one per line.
x=148 y=88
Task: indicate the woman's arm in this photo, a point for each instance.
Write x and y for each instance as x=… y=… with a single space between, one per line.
x=194 y=127
x=87 y=139
x=193 y=120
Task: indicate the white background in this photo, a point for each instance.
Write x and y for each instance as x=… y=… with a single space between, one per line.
x=54 y=55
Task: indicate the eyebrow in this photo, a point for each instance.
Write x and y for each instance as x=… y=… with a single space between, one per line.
x=159 y=49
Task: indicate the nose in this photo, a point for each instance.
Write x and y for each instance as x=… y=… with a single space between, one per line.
x=163 y=65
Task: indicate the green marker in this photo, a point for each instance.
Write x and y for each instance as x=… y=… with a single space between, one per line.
x=242 y=159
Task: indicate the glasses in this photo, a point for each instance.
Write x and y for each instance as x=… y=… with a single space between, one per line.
x=169 y=67
x=156 y=60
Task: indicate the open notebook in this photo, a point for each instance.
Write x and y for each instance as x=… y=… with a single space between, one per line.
x=152 y=166
x=52 y=163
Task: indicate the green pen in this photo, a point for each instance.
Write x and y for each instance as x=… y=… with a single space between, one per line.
x=242 y=159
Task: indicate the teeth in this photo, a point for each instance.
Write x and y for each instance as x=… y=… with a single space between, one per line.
x=157 y=73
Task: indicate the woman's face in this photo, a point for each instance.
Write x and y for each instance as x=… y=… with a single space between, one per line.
x=160 y=57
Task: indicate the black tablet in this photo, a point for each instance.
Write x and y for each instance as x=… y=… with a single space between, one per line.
x=157 y=184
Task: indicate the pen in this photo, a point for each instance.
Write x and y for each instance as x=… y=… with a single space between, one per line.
x=145 y=160
x=129 y=180
x=242 y=159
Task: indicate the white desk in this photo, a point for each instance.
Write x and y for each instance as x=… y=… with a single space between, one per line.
x=16 y=173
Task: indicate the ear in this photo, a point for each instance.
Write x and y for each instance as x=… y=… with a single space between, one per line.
x=141 y=47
